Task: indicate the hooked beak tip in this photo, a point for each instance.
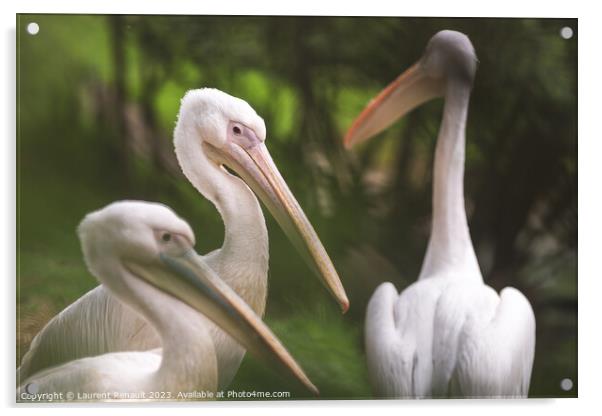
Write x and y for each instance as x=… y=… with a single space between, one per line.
x=350 y=138
x=347 y=141
x=345 y=305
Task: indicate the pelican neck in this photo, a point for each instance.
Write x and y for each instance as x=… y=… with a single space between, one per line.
x=450 y=249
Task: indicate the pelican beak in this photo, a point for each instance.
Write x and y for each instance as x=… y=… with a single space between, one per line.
x=188 y=278
x=408 y=91
x=248 y=156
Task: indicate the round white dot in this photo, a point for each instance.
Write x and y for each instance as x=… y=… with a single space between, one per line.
x=33 y=28
x=566 y=32
x=32 y=388
x=566 y=384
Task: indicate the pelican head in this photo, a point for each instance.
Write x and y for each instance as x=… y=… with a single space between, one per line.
x=131 y=230
x=228 y=133
x=129 y=243
x=449 y=56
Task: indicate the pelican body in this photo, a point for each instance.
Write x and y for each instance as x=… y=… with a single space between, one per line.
x=448 y=334
x=213 y=130
x=143 y=255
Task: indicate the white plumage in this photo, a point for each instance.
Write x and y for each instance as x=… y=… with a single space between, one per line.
x=448 y=334
x=213 y=129
x=142 y=253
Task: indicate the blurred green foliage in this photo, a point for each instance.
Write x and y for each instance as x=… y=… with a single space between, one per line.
x=97 y=102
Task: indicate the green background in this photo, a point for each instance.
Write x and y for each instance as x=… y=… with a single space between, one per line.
x=97 y=102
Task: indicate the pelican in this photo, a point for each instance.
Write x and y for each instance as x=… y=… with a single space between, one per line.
x=143 y=254
x=448 y=334
x=213 y=130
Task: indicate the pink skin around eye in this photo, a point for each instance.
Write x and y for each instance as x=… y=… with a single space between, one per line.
x=242 y=135
x=180 y=240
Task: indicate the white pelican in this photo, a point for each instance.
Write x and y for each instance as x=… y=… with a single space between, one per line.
x=213 y=129
x=448 y=334
x=143 y=254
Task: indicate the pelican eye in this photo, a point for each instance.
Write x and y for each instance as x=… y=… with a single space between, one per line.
x=166 y=237
x=236 y=130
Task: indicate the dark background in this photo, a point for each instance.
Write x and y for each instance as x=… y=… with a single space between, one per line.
x=97 y=103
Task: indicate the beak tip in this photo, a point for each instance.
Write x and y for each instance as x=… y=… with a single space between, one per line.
x=347 y=141
x=345 y=305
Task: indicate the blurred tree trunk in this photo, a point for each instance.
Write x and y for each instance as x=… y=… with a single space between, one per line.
x=149 y=92
x=123 y=147
x=320 y=140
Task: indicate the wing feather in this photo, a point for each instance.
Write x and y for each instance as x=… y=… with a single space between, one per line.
x=495 y=356
x=390 y=360
x=101 y=323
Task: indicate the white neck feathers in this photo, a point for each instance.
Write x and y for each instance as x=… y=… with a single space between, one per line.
x=242 y=261
x=450 y=249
